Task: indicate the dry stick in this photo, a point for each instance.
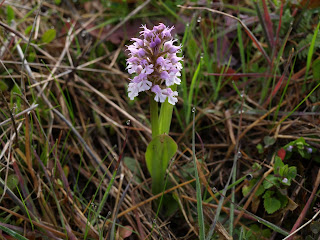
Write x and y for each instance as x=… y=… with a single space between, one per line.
x=28 y=44
x=25 y=39
x=6 y=174
x=10 y=29
x=203 y=179
x=280 y=82
x=296 y=137
x=6 y=45
x=185 y=214
x=154 y=197
x=137 y=217
x=252 y=194
x=215 y=206
x=16 y=200
x=11 y=117
x=78 y=68
x=190 y=125
x=260 y=119
x=47 y=228
x=45 y=99
x=28 y=152
x=134 y=12
x=8 y=143
x=28 y=110
x=306 y=208
x=247 y=30
x=81 y=217
x=115 y=105
x=71 y=69
x=237 y=149
x=118 y=204
x=228 y=116
x=312 y=219
x=108 y=119
x=67 y=43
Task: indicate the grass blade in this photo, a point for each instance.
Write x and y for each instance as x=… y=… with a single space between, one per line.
x=12 y=233
x=309 y=94
x=310 y=52
x=192 y=87
x=268 y=23
x=198 y=186
x=246 y=29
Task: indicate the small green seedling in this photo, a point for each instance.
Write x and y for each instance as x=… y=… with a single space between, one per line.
x=301 y=147
x=12 y=182
x=273 y=190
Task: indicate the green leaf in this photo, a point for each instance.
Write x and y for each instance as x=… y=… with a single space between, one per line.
x=304 y=154
x=192 y=47
x=315 y=227
x=134 y=167
x=12 y=233
x=3 y=86
x=260 y=190
x=48 y=36
x=12 y=182
x=300 y=143
x=247 y=188
x=268 y=194
x=311 y=50
x=10 y=14
x=283 y=199
x=270 y=181
x=278 y=164
x=283 y=171
x=28 y=30
x=256 y=167
x=268 y=141
x=259 y=233
x=260 y=148
x=316 y=70
x=159 y=152
x=292 y=172
x=271 y=204
x=31 y=56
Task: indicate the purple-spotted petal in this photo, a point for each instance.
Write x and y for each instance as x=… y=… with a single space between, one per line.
x=172 y=95
x=151 y=70
x=159 y=96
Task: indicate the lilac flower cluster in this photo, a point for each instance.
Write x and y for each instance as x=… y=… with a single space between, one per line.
x=154 y=59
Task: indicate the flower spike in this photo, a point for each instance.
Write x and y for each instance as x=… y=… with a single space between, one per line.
x=153 y=57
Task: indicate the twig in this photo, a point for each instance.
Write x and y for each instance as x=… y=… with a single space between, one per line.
x=134 y=12
x=294 y=230
x=247 y=30
x=28 y=110
x=28 y=43
x=115 y=105
x=60 y=115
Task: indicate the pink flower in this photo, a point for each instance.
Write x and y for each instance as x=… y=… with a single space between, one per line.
x=172 y=95
x=153 y=58
x=159 y=96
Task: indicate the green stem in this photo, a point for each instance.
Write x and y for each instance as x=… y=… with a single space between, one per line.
x=166 y=115
x=154 y=117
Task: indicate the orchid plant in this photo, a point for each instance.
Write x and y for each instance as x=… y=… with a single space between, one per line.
x=154 y=61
